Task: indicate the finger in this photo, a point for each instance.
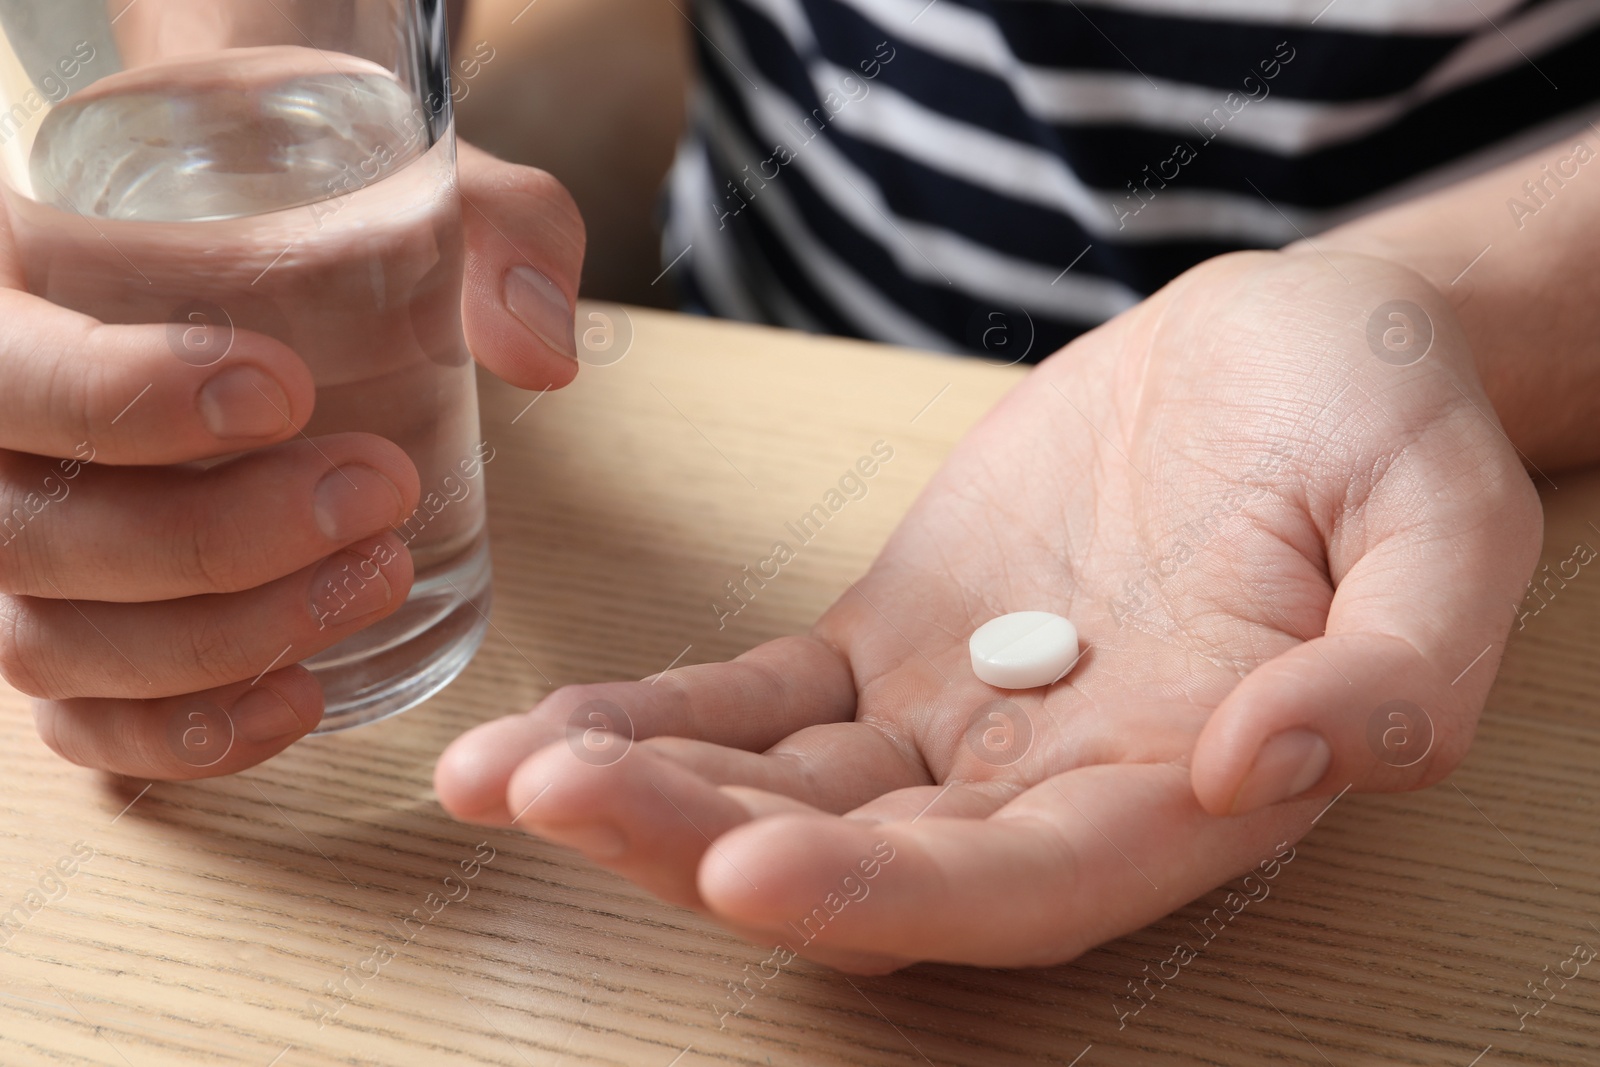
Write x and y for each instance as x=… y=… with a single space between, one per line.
x=77 y=389
x=199 y=735
x=1072 y=863
x=60 y=649
x=761 y=805
x=649 y=815
x=953 y=800
x=644 y=817
x=752 y=702
x=1370 y=711
x=525 y=242
x=835 y=767
x=1389 y=699
x=224 y=529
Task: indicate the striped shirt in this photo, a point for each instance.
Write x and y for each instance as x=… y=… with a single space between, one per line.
x=997 y=176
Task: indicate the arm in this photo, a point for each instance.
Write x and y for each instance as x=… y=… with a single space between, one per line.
x=1531 y=303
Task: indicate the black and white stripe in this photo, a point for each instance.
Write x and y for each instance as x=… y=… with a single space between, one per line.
x=908 y=171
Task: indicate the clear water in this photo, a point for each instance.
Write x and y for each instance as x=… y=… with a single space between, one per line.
x=266 y=191
x=157 y=152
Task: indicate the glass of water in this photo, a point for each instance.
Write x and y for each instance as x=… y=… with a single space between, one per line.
x=285 y=167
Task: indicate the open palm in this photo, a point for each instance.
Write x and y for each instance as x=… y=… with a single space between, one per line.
x=1272 y=533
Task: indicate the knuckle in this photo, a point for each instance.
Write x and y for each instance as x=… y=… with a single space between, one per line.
x=27 y=490
x=19 y=573
x=27 y=660
x=82 y=395
x=113 y=741
x=211 y=553
x=66 y=395
x=570 y=704
x=46 y=723
x=216 y=649
x=558 y=200
x=560 y=220
x=71 y=745
x=566 y=700
x=13 y=572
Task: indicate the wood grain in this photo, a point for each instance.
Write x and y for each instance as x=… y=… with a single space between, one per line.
x=211 y=915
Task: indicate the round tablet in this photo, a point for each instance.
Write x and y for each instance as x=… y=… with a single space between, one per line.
x=1024 y=650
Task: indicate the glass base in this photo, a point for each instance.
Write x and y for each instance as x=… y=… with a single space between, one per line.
x=408 y=657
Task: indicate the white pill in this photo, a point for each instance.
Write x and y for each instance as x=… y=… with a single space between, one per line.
x=1023 y=650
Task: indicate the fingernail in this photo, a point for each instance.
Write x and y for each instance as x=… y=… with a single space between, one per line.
x=243 y=402
x=347 y=587
x=352 y=501
x=595 y=840
x=540 y=306
x=261 y=716
x=1287 y=765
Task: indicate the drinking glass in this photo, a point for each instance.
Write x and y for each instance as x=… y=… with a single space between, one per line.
x=285 y=167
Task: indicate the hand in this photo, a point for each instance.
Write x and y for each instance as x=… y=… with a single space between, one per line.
x=133 y=581
x=1264 y=533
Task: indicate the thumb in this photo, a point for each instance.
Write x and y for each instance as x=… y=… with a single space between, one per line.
x=524 y=249
x=1389 y=697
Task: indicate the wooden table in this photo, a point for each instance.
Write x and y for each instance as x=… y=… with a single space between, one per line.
x=209 y=916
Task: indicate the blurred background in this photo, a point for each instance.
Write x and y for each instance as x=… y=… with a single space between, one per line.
x=592 y=91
